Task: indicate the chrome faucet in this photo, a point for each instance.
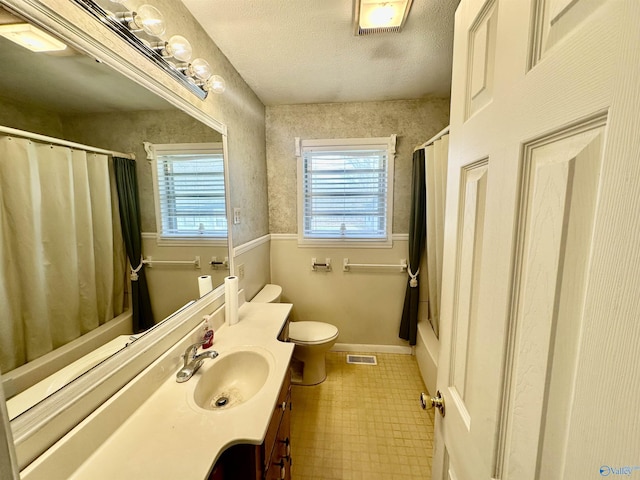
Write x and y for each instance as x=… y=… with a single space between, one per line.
x=193 y=361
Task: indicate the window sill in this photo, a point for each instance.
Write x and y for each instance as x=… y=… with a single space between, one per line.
x=345 y=242
x=187 y=241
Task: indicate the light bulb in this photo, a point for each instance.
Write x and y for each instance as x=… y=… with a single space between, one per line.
x=201 y=69
x=149 y=19
x=216 y=84
x=179 y=48
x=382 y=16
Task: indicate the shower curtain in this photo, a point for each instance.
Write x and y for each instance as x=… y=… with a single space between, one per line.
x=129 y=202
x=409 y=322
x=61 y=250
x=436 y=156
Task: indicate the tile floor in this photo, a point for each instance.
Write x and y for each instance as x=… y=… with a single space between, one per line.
x=363 y=422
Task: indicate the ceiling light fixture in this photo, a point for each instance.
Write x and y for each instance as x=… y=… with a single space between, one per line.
x=28 y=36
x=376 y=16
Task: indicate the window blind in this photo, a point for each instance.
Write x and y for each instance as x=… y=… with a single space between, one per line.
x=345 y=193
x=191 y=195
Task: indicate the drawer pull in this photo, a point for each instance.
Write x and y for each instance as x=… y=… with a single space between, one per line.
x=283 y=471
x=283 y=406
x=287 y=444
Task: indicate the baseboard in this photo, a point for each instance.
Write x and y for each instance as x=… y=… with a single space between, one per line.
x=364 y=348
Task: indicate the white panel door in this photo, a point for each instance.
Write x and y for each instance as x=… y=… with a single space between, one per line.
x=540 y=308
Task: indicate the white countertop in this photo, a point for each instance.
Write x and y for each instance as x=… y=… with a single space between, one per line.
x=169 y=437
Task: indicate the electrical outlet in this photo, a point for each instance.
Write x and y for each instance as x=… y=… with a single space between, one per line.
x=241 y=271
x=236 y=216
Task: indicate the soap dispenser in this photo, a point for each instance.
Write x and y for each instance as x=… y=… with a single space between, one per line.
x=207 y=336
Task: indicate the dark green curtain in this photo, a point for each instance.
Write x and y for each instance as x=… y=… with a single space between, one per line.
x=128 y=200
x=417 y=238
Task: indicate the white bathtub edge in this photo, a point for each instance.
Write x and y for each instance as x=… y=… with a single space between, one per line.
x=427 y=352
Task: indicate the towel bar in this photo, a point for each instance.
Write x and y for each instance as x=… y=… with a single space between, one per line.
x=346 y=266
x=150 y=261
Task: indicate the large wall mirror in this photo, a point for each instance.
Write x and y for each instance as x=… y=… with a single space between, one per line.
x=71 y=96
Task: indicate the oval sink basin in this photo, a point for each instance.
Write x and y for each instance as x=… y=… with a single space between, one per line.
x=231 y=379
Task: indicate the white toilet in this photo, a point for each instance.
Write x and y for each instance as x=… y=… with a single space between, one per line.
x=312 y=340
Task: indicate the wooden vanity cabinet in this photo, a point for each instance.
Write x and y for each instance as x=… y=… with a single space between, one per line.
x=276 y=456
x=269 y=461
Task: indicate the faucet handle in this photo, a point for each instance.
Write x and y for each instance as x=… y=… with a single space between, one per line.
x=190 y=352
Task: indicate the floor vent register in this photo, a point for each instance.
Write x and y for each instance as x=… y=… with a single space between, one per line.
x=362 y=359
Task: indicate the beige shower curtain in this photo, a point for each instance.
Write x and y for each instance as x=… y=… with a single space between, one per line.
x=436 y=156
x=61 y=259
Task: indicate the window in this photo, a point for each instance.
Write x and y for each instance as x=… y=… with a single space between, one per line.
x=345 y=190
x=190 y=194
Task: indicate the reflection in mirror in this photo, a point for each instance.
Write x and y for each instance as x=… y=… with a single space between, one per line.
x=64 y=280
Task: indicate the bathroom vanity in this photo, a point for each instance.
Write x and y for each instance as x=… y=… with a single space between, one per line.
x=178 y=431
x=269 y=461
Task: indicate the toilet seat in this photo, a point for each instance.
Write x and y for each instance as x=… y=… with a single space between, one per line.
x=312 y=333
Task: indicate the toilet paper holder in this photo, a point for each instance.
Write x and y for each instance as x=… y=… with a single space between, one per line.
x=326 y=265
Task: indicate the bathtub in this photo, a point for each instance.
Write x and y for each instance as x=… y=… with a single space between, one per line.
x=427 y=352
x=28 y=384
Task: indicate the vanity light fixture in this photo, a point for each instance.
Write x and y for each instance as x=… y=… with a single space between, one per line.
x=379 y=16
x=31 y=37
x=143 y=29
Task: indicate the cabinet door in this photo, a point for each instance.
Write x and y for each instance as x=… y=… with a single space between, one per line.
x=283 y=439
x=280 y=467
x=281 y=407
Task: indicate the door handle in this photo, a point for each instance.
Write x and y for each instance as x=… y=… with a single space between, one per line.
x=429 y=402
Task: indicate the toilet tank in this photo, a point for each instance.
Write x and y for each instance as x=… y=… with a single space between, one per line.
x=269 y=294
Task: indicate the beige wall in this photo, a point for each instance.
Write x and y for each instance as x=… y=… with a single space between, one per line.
x=172 y=286
x=414 y=121
x=27 y=117
x=255 y=261
x=365 y=304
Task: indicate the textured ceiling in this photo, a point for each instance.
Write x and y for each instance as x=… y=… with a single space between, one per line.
x=304 y=51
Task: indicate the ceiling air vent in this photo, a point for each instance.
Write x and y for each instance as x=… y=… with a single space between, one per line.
x=371 y=31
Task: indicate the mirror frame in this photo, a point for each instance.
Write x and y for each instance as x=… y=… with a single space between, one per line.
x=40 y=427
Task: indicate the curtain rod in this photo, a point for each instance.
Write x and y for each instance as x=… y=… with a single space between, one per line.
x=437 y=136
x=57 y=141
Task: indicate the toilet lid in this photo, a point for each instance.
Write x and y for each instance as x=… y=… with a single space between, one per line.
x=312 y=332
x=268 y=294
